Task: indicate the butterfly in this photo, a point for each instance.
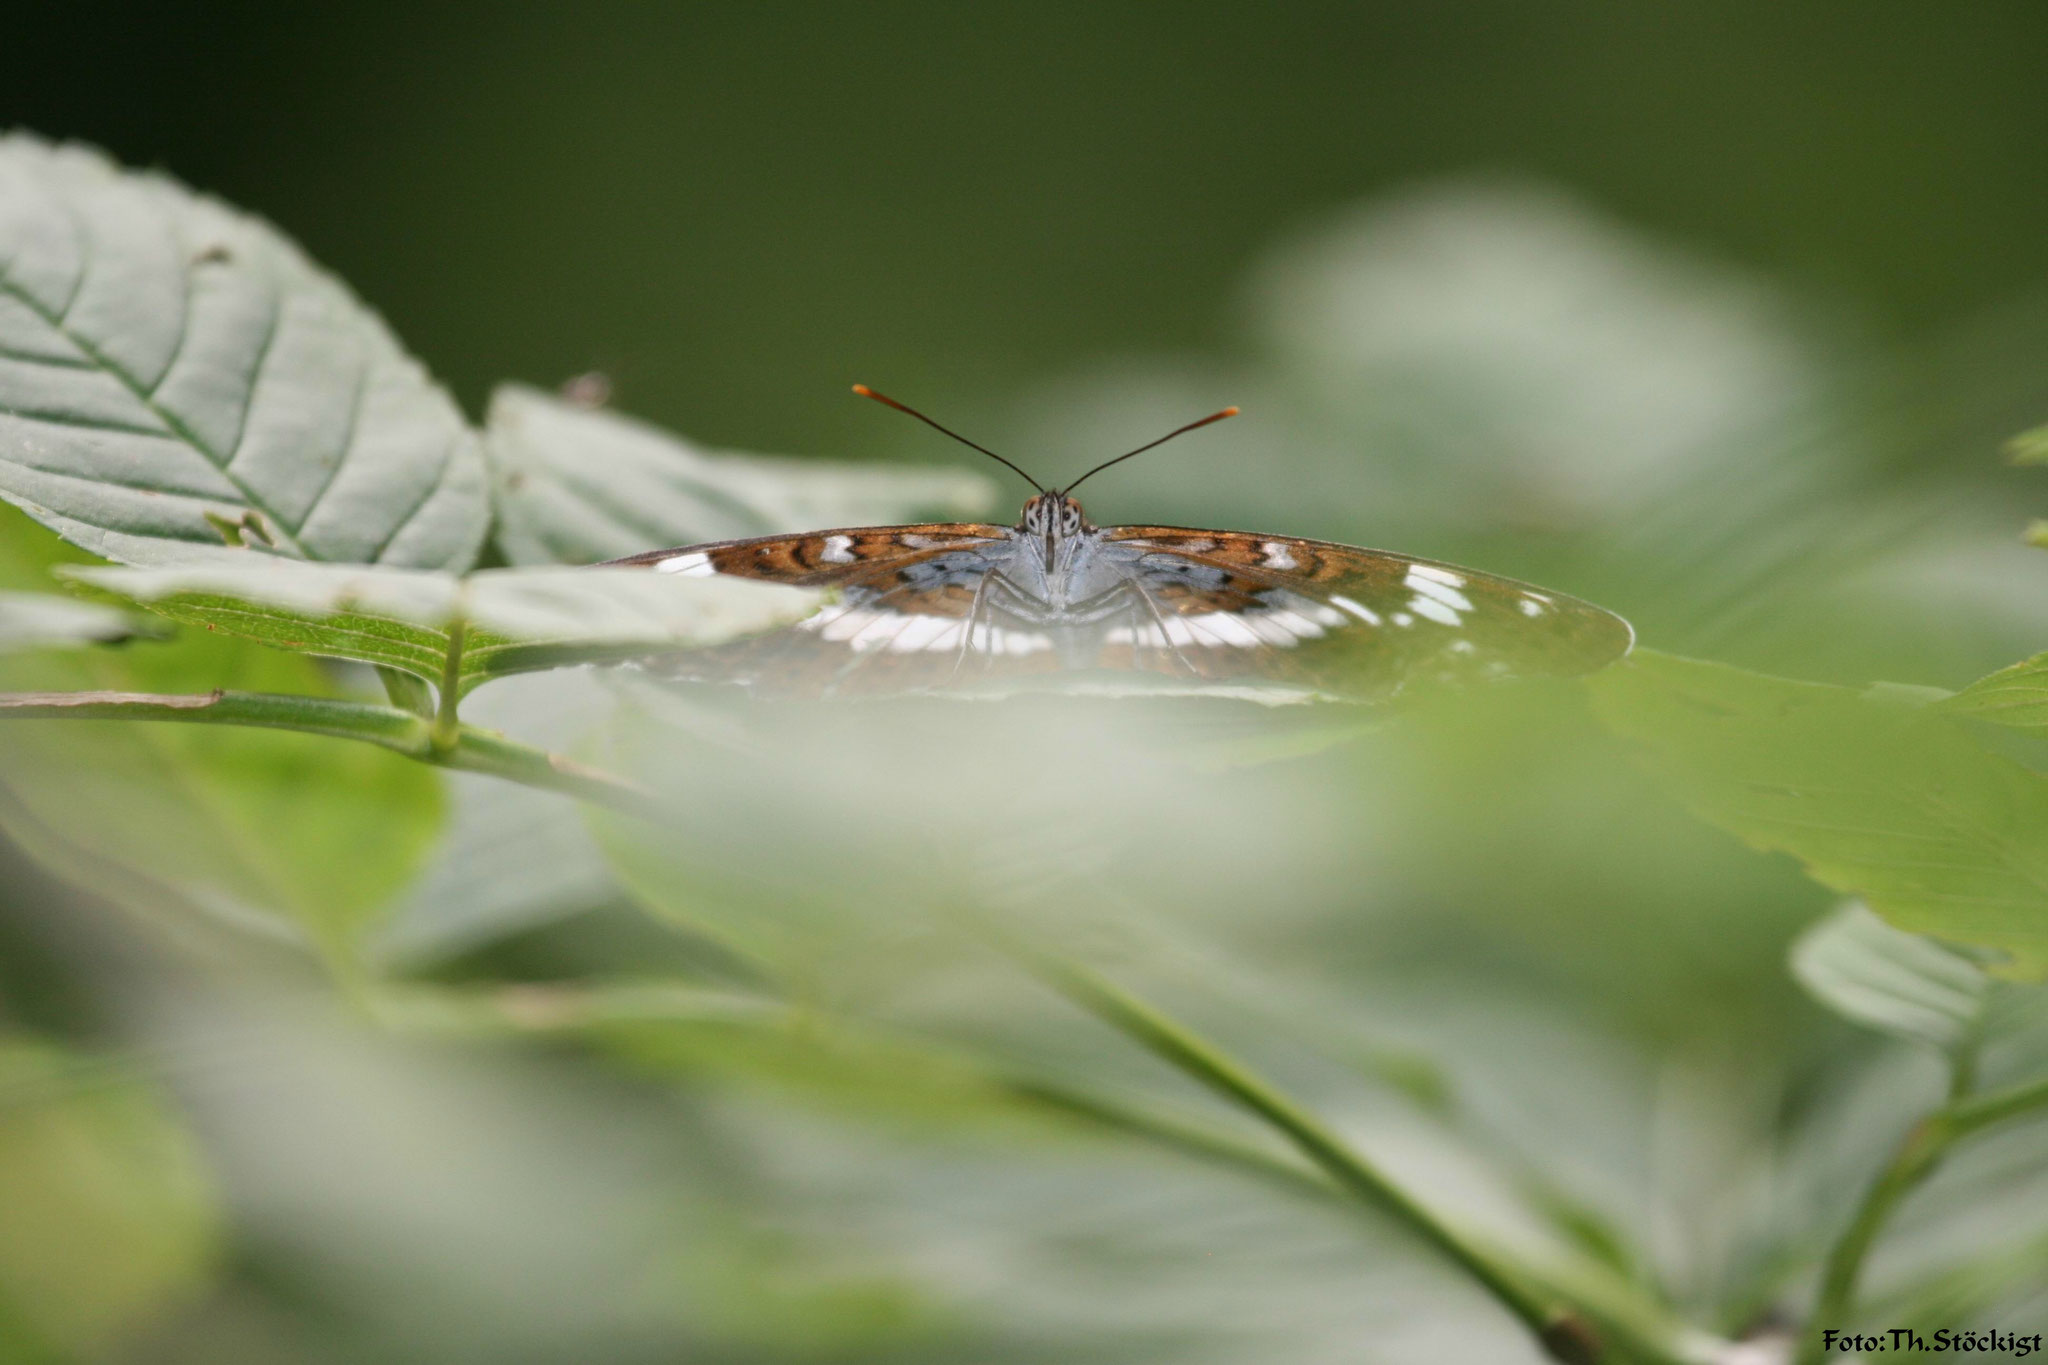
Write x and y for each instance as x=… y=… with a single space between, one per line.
x=1057 y=601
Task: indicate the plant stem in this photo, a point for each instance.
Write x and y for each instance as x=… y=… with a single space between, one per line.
x=1980 y=1111
x=1199 y=1141
x=466 y=748
x=486 y=751
x=1918 y=1156
x=1563 y=1331
x=1639 y=1327
x=447 y=725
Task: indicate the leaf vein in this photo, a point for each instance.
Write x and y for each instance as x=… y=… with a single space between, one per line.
x=439 y=480
x=128 y=381
x=348 y=440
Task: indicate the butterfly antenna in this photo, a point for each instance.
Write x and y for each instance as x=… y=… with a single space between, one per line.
x=1177 y=431
x=883 y=398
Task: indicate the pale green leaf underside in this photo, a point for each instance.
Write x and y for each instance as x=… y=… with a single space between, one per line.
x=1890 y=980
x=168 y=365
x=38 y=620
x=516 y=620
x=513 y=857
x=2015 y=696
x=574 y=486
x=268 y=830
x=1898 y=805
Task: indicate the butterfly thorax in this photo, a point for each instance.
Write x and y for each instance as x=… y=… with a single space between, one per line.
x=1055 y=526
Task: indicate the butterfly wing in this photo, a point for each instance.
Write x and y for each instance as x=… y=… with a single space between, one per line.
x=911 y=611
x=929 y=607
x=1340 y=621
x=863 y=557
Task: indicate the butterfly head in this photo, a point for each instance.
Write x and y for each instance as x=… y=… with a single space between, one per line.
x=1052 y=517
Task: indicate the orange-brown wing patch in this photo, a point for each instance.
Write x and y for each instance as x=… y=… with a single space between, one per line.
x=820 y=559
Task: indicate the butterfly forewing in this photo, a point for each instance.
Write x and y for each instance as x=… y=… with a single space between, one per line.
x=824 y=559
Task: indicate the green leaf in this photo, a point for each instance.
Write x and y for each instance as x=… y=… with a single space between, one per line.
x=1898 y=805
x=109 y=1217
x=513 y=857
x=265 y=829
x=279 y=830
x=38 y=620
x=574 y=485
x=2015 y=696
x=1898 y=983
x=176 y=374
x=2029 y=447
x=514 y=620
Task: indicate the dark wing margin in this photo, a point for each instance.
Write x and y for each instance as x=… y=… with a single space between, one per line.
x=1343 y=622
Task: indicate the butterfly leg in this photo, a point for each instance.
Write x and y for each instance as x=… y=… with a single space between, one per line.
x=1165 y=636
x=967 y=624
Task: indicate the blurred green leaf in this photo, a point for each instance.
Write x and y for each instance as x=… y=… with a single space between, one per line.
x=2029 y=447
x=513 y=857
x=109 y=1218
x=514 y=620
x=574 y=485
x=767 y=1295
x=37 y=620
x=2008 y=1275
x=174 y=373
x=241 y=823
x=1898 y=805
x=294 y=826
x=2015 y=696
x=1898 y=983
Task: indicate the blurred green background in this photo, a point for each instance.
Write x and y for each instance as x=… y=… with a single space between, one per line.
x=737 y=210
x=1717 y=314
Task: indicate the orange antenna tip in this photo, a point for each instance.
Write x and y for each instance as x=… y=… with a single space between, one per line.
x=1232 y=412
x=863 y=390
x=1177 y=431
